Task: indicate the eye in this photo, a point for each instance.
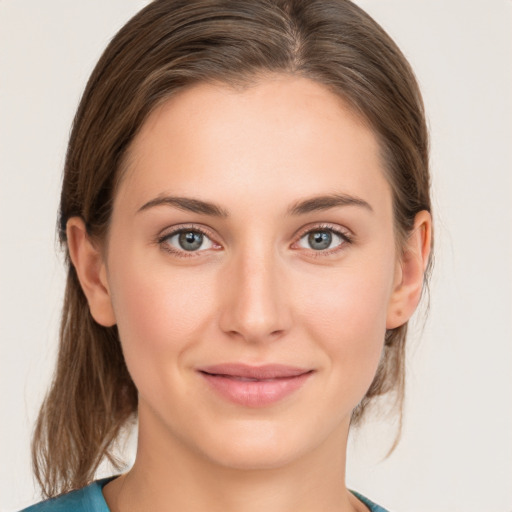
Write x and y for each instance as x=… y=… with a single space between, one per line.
x=323 y=239
x=186 y=240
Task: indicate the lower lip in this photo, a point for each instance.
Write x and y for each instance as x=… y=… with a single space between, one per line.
x=259 y=393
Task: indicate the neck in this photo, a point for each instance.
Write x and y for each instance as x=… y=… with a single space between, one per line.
x=176 y=478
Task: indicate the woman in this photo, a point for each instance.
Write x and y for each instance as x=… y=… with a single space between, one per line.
x=246 y=215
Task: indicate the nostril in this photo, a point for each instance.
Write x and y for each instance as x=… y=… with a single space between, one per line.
x=254 y=308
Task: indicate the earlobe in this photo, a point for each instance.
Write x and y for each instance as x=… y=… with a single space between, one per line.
x=91 y=271
x=410 y=272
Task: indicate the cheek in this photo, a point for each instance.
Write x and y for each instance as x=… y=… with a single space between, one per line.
x=347 y=318
x=159 y=314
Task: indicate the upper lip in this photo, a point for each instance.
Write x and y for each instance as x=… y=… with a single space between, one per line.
x=267 y=371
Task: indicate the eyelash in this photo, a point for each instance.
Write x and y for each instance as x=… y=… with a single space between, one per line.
x=345 y=237
x=162 y=240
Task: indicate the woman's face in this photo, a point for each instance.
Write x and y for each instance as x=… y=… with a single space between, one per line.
x=251 y=266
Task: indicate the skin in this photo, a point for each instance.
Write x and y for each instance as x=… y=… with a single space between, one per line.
x=255 y=292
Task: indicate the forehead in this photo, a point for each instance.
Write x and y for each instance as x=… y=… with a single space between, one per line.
x=281 y=138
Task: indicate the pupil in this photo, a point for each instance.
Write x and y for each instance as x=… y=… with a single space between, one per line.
x=320 y=240
x=190 y=240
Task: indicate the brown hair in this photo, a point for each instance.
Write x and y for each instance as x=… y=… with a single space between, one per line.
x=169 y=45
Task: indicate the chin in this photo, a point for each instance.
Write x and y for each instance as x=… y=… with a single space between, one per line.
x=254 y=456
x=261 y=444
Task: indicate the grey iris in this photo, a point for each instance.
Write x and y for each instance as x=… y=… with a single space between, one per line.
x=190 y=240
x=319 y=240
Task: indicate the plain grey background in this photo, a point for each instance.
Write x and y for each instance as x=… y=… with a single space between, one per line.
x=456 y=449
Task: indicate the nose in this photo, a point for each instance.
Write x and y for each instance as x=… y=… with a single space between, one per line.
x=254 y=298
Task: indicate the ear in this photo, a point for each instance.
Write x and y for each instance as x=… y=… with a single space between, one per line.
x=91 y=270
x=410 y=271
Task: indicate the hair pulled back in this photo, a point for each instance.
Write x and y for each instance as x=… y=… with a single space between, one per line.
x=168 y=46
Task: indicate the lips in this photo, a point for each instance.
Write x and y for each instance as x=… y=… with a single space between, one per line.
x=254 y=386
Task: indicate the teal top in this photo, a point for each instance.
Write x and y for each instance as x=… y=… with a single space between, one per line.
x=90 y=499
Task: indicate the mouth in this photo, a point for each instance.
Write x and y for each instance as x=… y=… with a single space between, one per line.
x=254 y=386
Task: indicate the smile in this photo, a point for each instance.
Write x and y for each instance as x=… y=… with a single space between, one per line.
x=254 y=386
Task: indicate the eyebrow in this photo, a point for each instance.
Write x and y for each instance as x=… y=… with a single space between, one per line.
x=188 y=204
x=318 y=203
x=326 y=202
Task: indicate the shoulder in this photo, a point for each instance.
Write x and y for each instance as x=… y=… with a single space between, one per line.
x=87 y=499
x=373 y=507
